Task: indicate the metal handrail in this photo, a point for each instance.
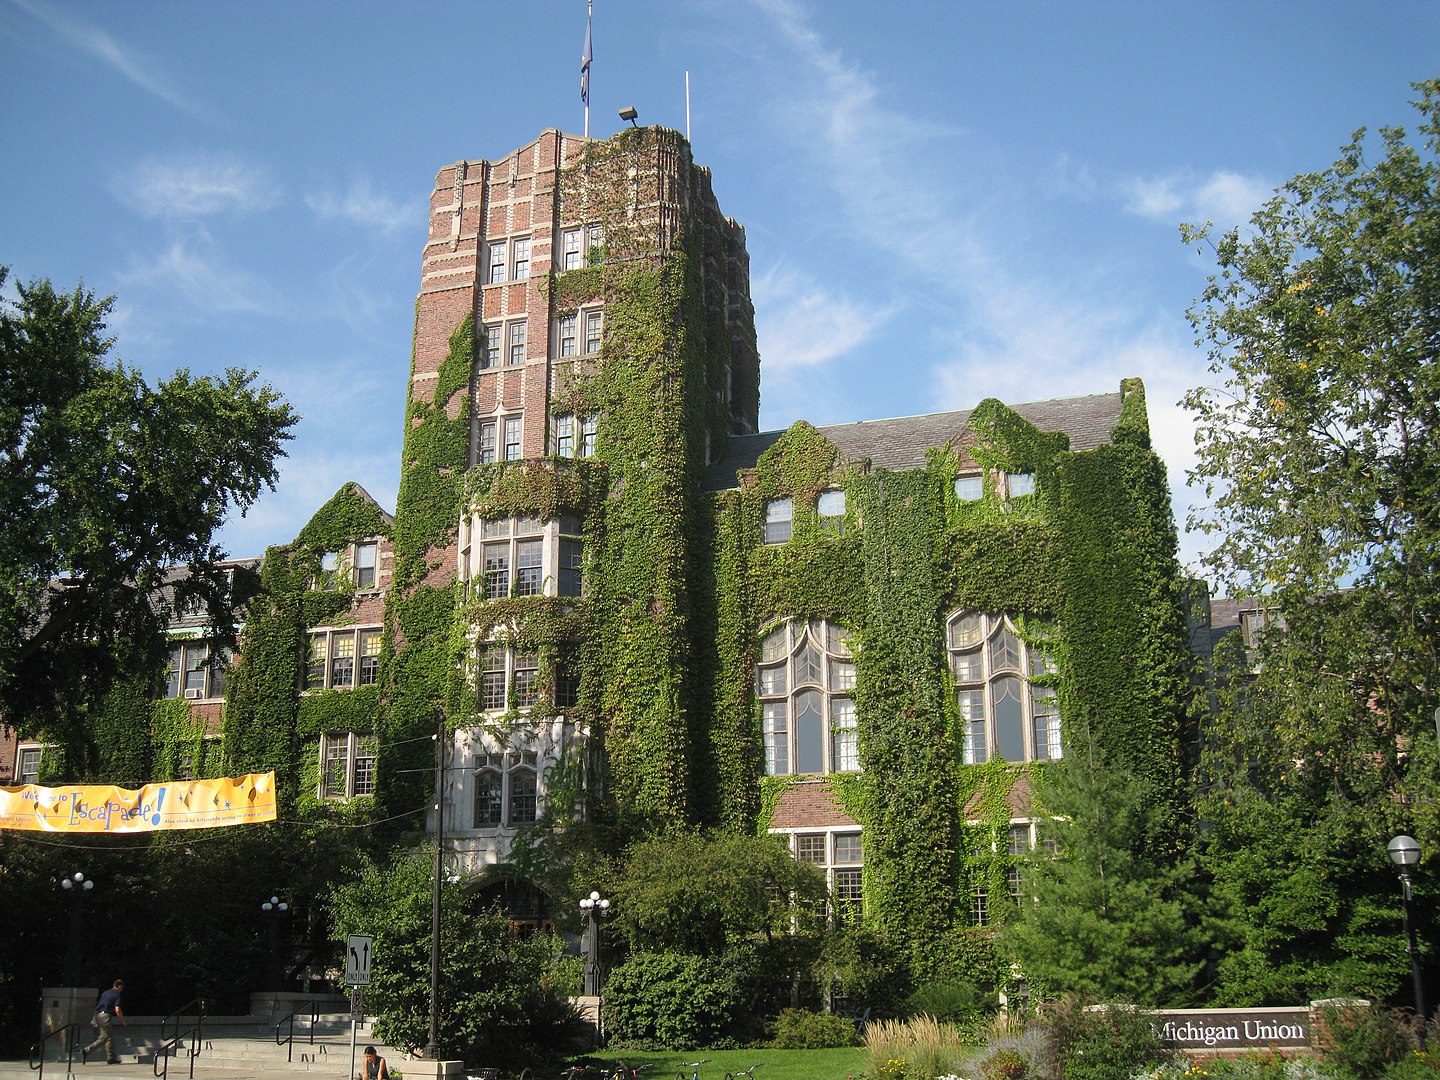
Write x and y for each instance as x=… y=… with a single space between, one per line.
x=167 y=1046
x=72 y=1031
x=288 y=1040
x=198 y=1005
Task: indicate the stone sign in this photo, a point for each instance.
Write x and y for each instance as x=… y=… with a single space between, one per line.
x=1234 y=1029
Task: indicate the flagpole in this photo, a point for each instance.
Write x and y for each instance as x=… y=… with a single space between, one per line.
x=585 y=58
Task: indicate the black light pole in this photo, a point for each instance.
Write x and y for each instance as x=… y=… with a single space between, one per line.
x=273 y=909
x=1405 y=853
x=432 y=1048
x=594 y=908
x=77 y=885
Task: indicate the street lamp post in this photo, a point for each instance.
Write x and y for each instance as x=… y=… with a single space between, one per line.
x=594 y=908
x=273 y=908
x=77 y=885
x=1405 y=853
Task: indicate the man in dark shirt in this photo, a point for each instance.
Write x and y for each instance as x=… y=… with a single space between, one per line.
x=107 y=1011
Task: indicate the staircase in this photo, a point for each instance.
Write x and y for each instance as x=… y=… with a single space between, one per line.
x=239 y=1047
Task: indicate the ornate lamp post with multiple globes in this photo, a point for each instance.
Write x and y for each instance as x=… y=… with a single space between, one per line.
x=1405 y=853
x=77 y=885
x=273 y=909
x=595 y=908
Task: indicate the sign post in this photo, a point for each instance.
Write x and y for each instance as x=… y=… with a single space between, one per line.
x=359 y=951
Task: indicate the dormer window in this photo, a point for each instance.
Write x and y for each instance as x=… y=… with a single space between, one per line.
x=779 y=520
x=970 y=488
x=357 y=567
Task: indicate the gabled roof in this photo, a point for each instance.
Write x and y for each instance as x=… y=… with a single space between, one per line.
x=901 y=443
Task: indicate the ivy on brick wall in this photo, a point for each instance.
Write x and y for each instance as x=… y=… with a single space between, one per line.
x=1086 y=568
x=267 y=723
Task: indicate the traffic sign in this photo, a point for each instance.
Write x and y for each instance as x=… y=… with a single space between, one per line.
x=359 y=951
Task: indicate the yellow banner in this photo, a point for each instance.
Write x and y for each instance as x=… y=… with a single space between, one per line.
x=97 y=808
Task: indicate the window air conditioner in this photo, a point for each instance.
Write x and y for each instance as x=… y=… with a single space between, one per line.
x=193 y=692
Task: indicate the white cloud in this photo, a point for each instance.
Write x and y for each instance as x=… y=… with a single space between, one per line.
x=136 y=68
x=360 y=204
x=196 y=188
x=800 y=324
x=201 y=283
x=1224 y=197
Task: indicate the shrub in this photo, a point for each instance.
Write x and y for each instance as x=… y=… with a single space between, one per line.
x=801 y=1029
x=1102 y=1042
x=957 y=1001
x=669 y=1001
x=1362 y=1039
x=1004 y=1064
x=920 y=1048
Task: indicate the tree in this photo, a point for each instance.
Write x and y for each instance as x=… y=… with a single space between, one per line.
x=501 y=1000
x=1105 y=912
x=105 y=483
x=1319 y=452
x=687 y=893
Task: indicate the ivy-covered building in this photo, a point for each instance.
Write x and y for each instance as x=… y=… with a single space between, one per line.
x=634 y=609
x=629 y=607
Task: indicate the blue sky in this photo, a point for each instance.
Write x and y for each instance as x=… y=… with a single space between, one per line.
x=944 y=201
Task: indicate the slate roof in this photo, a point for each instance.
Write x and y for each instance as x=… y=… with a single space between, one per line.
x=901 y=443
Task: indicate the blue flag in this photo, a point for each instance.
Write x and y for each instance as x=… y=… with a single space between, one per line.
x=585 y=58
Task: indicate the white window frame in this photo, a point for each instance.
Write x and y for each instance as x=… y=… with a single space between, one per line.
x=1019 y=485
x=487 y=435
x=822 y=847
x=519 y=258
x=567 y=335
x=500 y=545
x=562 y=435
x=197 y=657
x=830 y=510
x=779 y=521
x=491 y=346
x=970 y=487
x=348 y=642
x=501 y=671
x=592 y=326
x=804 y=674
x=28 y=756
x=499 y=262
x=348 y=567
x=512 y=443
x=516 y=347
x=355 y=753
x=979 y=647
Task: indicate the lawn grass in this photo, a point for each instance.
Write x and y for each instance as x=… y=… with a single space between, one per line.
x=836 y=1064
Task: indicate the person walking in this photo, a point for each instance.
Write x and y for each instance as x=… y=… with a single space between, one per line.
x=107 y=1011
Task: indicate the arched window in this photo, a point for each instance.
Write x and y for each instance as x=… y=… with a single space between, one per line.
x=805 y=675
x=1003 y=714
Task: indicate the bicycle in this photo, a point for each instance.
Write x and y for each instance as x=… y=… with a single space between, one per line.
x=694 y=1066
x=625 y=1072
x=749 y=1073
x=581 y=1072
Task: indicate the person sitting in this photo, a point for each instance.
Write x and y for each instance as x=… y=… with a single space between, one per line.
x=373 y=1066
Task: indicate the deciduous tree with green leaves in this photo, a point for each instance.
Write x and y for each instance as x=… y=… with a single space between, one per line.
x=502 y=997
x=105 y=482
x=1318 y=448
